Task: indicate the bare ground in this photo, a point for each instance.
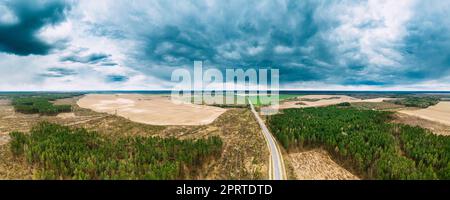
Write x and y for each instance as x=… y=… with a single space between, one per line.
x=325 y=100
x=316 y=164
x=383 y=106
x=151 y=109
x=438 y=113
x=436 y=127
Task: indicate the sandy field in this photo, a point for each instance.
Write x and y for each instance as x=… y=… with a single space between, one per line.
x=316 y=164
x=435 y=127
x=325 y=100
x=66 y=115
x=4 y=138
x=438 y=113
x=151 y=109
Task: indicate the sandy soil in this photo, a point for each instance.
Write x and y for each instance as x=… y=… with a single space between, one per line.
x=438 y=113
x=436 y=127
x=4 y=138
x=12 y=168
x=384 y=106
x=151 y=109
x=66 y=115
x=316 y=164
x=12 y=121
x=324 y=100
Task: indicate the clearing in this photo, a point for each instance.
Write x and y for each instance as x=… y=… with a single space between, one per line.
x=151 y=109
x=317 y=164
x=435 y=127
x=438 y=113
x=325 y=100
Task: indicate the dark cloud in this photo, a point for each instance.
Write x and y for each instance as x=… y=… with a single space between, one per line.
x=299 y=38
x=329 y=42
x=57 y=72
x=116 y=78
x=108 y=64
x=20 y=37
x=244 y=37
x=93 y=58
x=427 y=46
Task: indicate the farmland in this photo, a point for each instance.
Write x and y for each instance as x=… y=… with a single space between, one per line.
x=151 y=109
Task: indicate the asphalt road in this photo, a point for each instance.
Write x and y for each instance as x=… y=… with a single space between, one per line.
x=277 y=170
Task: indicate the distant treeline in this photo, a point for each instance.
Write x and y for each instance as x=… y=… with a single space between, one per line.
x=49 y=95
x=40 y=104
x=365 y=141
x=59 y=152
x=421 y=102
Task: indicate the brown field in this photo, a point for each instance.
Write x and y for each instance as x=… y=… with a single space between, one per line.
x=151 y=109
x=438 y=113
x=385 y=106
x=245 y=154
x=325 y=100
x=317 y=164
x=436 y=127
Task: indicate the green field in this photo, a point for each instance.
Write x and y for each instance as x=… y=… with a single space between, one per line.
x=256 y=100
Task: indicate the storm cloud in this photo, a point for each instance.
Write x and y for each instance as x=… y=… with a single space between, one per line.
x=116 y=78
x=93 y=58
x=332 y=44
x=344 y=43
x=21 y=21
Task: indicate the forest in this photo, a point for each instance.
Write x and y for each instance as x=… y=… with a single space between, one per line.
x=365 y=141
x=39 y=104
x=59 y=152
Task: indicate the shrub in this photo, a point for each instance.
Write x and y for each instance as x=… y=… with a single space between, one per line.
x=18 y=141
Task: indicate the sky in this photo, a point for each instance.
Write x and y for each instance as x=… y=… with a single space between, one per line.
x=137 y=44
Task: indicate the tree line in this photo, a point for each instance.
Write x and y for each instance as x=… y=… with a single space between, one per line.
x=59 y=152
x=366 y=141
x=38 y=105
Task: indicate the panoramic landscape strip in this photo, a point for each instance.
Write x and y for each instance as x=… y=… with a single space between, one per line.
x=355 y=136
x=224 y=99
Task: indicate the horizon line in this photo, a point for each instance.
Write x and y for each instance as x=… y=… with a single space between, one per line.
x=280 y=90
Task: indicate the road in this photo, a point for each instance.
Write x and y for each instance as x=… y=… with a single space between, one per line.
x=277 y=170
